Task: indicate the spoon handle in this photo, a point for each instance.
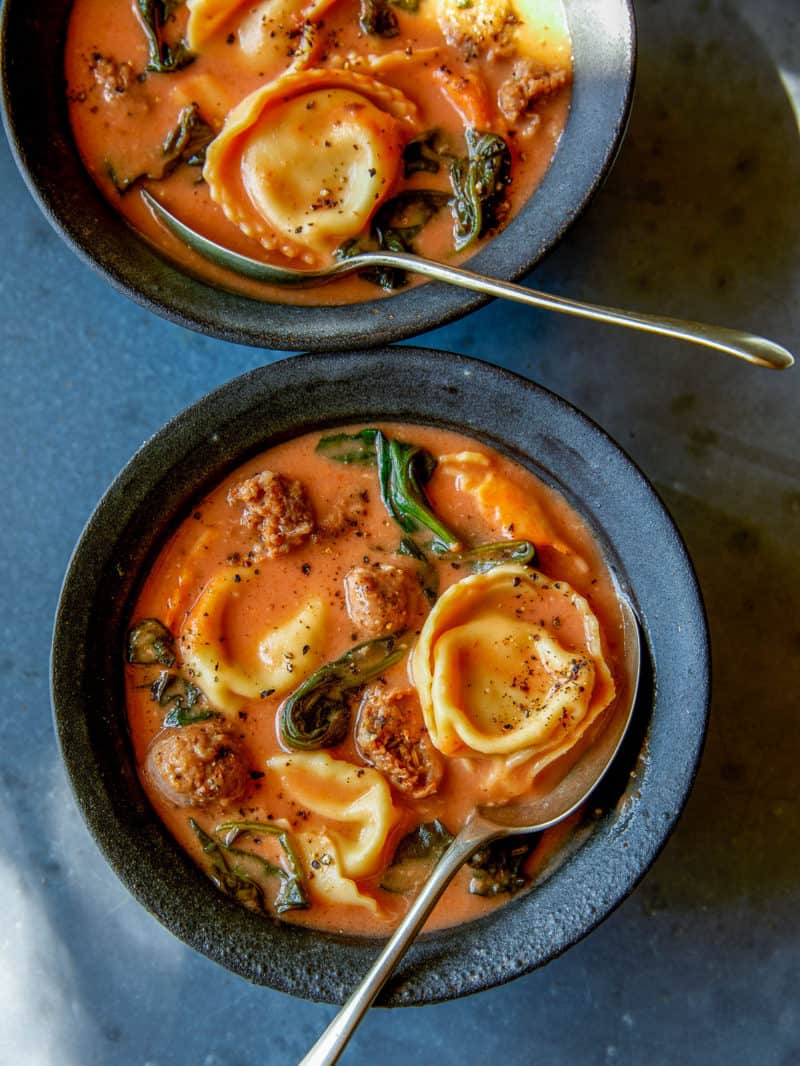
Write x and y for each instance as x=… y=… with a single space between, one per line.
x=335 y=1038
x=739 y=343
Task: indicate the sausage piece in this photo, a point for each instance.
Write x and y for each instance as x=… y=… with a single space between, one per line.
x=114 y=79
x=198 y=765
x=480 y=27
x=391 y=735
x=377 y=598
x=348 y=514
x=529 y=83
x=277 y=509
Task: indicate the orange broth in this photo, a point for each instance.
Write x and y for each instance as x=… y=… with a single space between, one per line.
x=124 y=130
x=206 y=544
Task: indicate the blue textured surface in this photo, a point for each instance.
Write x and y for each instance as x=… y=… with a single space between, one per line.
x=700 y=965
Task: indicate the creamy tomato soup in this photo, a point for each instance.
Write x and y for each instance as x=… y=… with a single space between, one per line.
x=348 y=644
x=300 y=131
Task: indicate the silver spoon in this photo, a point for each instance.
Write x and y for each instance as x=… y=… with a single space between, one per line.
x=484 y=825
x=743 y=345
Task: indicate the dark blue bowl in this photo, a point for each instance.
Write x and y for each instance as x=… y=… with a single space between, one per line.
x=32 y=34
x=640 y=799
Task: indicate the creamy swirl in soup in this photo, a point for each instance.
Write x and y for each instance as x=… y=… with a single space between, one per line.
x=301 y=131
x=352 y=641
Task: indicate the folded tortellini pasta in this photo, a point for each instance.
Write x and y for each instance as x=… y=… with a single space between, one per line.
x=510 y=662
x=303 y=163
x=266 y=32
x=500 y=501
x=349 y=821
x=324 y=868
x=283 y=656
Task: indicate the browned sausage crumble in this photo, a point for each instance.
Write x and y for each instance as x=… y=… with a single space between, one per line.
x=197 y=765
x=488 y=33
x=347 y=514
x=391 y=735
x=113 y=78
x=377 y=598
x=529 y=83
x=277 y=509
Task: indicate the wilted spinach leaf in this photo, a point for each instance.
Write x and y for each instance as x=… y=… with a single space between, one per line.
x=403 y=469
x=377 y=18
x=424 y=153
x=183 y=701
x=291 y=894
x=163 y=58
x=499 y=867
x=394 y=228
x=428 y=578
x=415 y=857
x=485 y=556
x=317 y=713
x=149 y=641
x=186 y=143
x=349 y=447
x=244 y=876
x=479 y=185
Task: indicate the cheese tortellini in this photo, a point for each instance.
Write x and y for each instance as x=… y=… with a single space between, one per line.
x=303 y=163
x=500 y=501
x=329 y=884
x=283 y=657
x=269 y=31
x=508 y=662
x=349 y=821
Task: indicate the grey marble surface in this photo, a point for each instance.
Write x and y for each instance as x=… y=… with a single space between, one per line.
x=700 y=218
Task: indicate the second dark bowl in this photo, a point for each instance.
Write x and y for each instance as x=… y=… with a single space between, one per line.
x=640 y=799
x=32 y=36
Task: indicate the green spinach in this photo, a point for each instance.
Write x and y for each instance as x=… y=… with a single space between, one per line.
x=499 y=867
x=317 y=713
x=244 y=876
x=428 y=578
x=163 y=58
x=377 y=19
x=479 y=184
x=185 y=143
x=394 y=228
x=149 y=641
x=184 y=702
x=349 y=447
x=402 y=471
x=424 y=153
x=485 y=556
x=415 y=857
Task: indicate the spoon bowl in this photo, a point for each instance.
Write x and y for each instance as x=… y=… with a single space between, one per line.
x=742 y=345
x=484 y=825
